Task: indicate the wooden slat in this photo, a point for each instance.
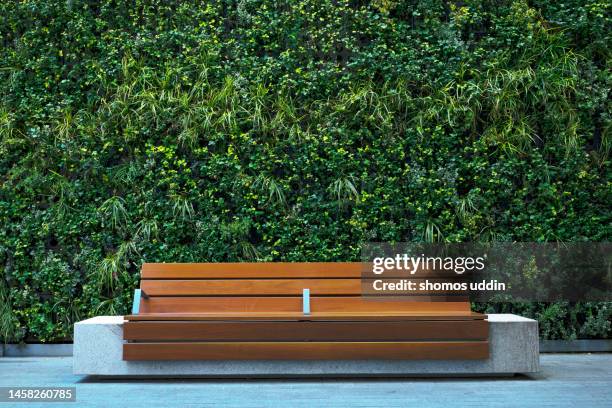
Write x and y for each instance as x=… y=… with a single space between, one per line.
x=321 y=316
x=456 y=350
x=279 y=270
x=267 y=287
x=251 y=287
x=233 y=270
x=249 y=304
x=238 y=270
x=306 y=331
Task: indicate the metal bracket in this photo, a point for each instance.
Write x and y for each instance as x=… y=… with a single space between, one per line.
x=136 y=304
x=306 y=301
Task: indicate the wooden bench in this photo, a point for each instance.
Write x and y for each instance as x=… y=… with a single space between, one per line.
x=289 y=311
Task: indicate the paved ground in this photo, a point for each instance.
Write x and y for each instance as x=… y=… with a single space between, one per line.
x=566 y=380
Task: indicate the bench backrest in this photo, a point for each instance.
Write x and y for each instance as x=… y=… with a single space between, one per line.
x=250 y=288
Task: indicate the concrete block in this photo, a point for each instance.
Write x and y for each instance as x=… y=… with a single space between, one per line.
x=513 y=349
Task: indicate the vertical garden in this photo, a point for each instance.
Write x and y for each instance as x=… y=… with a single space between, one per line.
x=175 y=131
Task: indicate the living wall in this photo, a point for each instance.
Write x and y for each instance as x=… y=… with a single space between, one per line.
x=167 y=130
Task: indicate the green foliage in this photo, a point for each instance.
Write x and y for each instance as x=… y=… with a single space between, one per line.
x=295 y=130
x=9 y=329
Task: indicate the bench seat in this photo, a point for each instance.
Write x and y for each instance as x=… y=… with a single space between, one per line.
x=314 y=316
x=264 y=311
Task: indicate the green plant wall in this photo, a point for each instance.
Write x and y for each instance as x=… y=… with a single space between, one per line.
x=166 y=130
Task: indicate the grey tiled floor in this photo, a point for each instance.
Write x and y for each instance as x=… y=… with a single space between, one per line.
x=566 y=380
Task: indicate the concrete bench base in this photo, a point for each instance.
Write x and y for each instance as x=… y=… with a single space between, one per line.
x=513 y=349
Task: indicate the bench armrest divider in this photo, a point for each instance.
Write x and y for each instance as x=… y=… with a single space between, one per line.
x=306 y=301
x=136 y=304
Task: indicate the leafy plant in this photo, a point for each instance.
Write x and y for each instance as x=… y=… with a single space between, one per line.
x=175 y=131
x=8 y=323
